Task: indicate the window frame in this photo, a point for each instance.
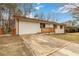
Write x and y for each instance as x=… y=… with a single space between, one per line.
x=42 y=25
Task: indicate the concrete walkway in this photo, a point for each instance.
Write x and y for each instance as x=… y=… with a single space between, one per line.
x=42 y=45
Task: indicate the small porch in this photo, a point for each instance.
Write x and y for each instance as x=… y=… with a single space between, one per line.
x=52 y=28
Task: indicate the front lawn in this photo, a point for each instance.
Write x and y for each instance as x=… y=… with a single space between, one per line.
x=72 y=37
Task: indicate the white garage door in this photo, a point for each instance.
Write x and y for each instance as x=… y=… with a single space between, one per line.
x=29 y=27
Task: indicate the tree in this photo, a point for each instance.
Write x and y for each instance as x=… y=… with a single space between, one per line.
x=39 y=15
x=19 y=12
x=28 y=8
x=36 y=15
x=48 y=16
x=7 y=10
x=51 y=16
x=75 y=12
x=75 y=15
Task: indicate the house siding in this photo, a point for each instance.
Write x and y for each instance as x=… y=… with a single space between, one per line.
x=49 y=25
x=59 y=30
x=48 y=28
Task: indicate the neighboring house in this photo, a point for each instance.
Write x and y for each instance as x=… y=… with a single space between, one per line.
x=24 y=25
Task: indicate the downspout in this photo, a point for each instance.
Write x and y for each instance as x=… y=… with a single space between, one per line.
x=18 y=26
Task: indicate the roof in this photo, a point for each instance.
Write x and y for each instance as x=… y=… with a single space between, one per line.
x=23 y=18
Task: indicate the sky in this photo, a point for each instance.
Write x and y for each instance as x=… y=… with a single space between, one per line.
x=59 y=11
x=56 y=9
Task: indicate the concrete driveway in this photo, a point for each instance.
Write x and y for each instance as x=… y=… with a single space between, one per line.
x=42 y=45
x=13 y=46
x=37 y=45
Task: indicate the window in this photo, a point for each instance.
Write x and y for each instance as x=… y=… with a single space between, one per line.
x=55 y=26
x=61 y=26
x=42 y=25
x=0 y=22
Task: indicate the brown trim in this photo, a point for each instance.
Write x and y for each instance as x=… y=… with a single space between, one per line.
x=18 y=26
x=23 y=18
x=1 y=31
x=54 y=30
x=14 y=31
x=55 y=26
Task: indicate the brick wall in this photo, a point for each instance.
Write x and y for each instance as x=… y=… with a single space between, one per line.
x=47 y=30
x=1 y=31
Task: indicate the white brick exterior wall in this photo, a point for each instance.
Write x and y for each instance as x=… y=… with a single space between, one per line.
x=32 y=28
x=47 y=25
x=58 y=30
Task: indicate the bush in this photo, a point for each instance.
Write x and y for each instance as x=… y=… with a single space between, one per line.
x=71 y=30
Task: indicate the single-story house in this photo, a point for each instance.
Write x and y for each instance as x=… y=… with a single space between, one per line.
x=25 y=25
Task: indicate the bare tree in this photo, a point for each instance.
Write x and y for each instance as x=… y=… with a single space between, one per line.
x=6 y=13
x=36 y=15
x=40 y=15
x=51 y=16
x=74 y=10
x=28 y=8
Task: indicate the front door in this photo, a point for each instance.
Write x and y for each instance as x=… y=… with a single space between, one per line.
x=55 y=27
